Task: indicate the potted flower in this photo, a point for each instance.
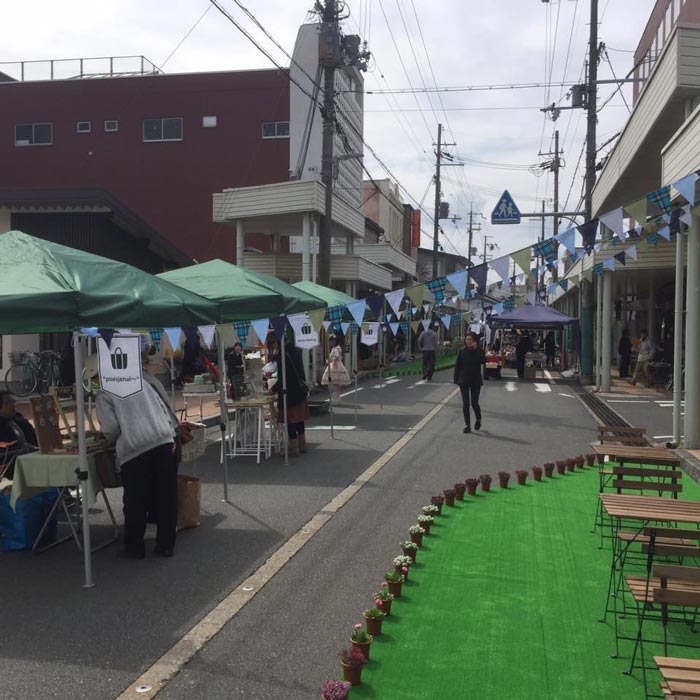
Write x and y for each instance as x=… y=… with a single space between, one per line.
x=374 y=618
x=590 y=458
x=537 y=473
x=485 y=480
x=571 y=464
x=402 y=564
x=383 y=599
x=352 y=660
x=431 y=510
x=361 y=639
x=521 y=475
x=449 y=497
x=425 y=521
x=561 y=466
x=416 y=532
x=580 y=461
x=393 y=581
x=460 y=488
x=409 y=549
x=548 y=469
x=503 y=479
x=471 y=485
x=437 y=501
x=335 y=690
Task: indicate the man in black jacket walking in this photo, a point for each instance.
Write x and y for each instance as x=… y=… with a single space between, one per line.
x=468 y=377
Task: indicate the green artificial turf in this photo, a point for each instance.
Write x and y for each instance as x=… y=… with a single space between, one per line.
x=416 y=366
x=504 y=602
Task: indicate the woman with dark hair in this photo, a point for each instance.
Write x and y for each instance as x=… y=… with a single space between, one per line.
x=297 y=391
x=468 y=377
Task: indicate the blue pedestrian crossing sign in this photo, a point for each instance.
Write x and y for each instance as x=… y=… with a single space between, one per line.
x=506 y=211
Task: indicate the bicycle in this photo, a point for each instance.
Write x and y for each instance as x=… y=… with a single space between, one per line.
x=36 y=371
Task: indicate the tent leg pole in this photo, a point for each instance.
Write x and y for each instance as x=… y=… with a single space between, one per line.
x=82 y=470
x=354 y=365
x=222 y=408
x=283 y=352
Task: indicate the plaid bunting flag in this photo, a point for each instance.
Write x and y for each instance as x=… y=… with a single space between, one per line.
x=573 y=257
x=508 y=304
x=156 y=334
x=547 y=249
x=598 y=269
x=335 y=313
x=653 y=239
x=564 y=284
x=661 y=198
x=675 y=223
x=242 y=328
x=437 y=287
x=404 y=327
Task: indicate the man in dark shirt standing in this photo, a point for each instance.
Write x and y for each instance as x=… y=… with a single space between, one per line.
x=468 y=377
x=14 y=427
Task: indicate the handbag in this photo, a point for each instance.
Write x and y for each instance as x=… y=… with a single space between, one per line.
x=185 y=433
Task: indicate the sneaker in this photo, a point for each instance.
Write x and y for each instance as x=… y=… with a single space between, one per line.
x=467 y=429
x=163 y=551
x=477 y=425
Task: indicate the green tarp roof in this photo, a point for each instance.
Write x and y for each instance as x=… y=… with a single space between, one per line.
x=242 y=295
x=46 y=287
x=330 y=296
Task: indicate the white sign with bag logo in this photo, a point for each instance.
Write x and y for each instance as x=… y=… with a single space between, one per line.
x=120 y=365
x=370 y=333
x=305 y=335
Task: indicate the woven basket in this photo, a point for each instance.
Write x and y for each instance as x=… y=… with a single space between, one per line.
x=195 y=447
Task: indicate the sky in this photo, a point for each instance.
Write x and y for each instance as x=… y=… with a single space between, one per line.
x=414 y=43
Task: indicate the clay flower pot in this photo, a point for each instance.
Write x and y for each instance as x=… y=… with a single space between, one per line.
x=363 y=647
x=548 y=469
x=385 y=606
x=417 y=537
x=471 y=485
x=410 y=553
x=503 y=479
x=521 y=475
x=537 y=473
x=460 y=488
x=437 y=501
x=590 y=459
x=485 y=483
x=449 y=497
x=571 y=465
x=580 y=461
x=352 y=674
x=561 y=466
x=426 y=527
x=400 y=570
x=374 y=625
x=395 y=588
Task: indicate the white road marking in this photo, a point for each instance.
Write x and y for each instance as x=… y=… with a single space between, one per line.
x=548 y=376
x=626 y=401
x=347 y=393
x=542 y=388
x=420 y=382
x=511 y=386
x=392 y=380
x=328 y=427
x=664 y=437
x=569 y=396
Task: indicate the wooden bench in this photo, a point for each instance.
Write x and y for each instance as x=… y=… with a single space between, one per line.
x=623 y=435
x=647 y=479
x=681 y=677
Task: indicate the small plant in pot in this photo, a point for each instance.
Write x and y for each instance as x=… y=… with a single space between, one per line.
x=503 y=479
x=590 y=459
x=450 y=496
x=409 y=549
x=416 y=532
x=425 y=521
x=393 y=581
x=361 y=639
x=537 y=473
x=471 y=485
x=431 y=510
x=437 y=501
x=485 y=480
x=352 y=660
x=383 y=599
x=460 y=488
x=548 y=469
x=335 y=690
x=561 y=466
x=374 y=618
x=521 y=475
x=571 y=464
x=402 y=564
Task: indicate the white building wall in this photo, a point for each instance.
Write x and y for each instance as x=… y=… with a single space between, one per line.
x=5 y=220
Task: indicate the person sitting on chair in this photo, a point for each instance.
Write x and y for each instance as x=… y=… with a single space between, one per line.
x=16 y=432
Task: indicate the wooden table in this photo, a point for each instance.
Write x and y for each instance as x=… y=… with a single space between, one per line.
x=681 y=677
x=658 y=456
x=669 y=510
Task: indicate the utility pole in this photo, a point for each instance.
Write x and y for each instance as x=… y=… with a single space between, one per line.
x=493 y=245
x=436 y=223
x=330 y=59
x=472 y=228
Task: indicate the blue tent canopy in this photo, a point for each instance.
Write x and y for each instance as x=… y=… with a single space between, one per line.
x=533 y=316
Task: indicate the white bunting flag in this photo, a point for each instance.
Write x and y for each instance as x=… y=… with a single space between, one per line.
x=446 y=318
x=459 y=281
x=613 y=220
x=394 y=299
x=173 y=335
x=357 y=310
x=326 y=325
x=261 y=327
x=632 y=252
x=394 y=327
x=207 y=333
x=426 y=324
x=370 y=333
x=305 y=335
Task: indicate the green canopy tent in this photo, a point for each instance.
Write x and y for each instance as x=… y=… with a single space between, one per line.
x=46 y=287
x=243 y=295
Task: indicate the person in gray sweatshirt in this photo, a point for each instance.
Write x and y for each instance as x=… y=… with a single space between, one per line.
x=144 y=429
x=427 y=344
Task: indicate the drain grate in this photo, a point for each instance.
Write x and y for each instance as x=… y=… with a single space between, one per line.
x=599 y=408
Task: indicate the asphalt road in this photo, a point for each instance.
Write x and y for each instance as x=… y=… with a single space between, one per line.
x=653 y=412
x=61 y=641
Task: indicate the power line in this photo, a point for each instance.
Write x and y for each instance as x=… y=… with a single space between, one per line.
x=182 y=41
x=470 y=88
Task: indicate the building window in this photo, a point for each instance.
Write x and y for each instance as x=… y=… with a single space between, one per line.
x=83 y=127
x=167 y=129
x=275 y=130
x=111 y=125
x=33 y=134
x=208 y=122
